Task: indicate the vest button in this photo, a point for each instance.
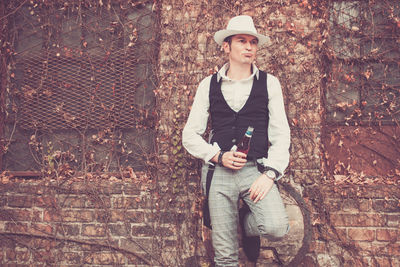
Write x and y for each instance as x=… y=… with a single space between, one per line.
x=233 y=140
x=233 y=128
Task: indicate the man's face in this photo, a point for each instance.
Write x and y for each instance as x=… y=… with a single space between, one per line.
x=242 y=49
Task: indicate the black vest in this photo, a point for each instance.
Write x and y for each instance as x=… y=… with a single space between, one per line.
x=229 y=126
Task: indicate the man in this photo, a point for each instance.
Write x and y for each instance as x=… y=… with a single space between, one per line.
x=238 y=96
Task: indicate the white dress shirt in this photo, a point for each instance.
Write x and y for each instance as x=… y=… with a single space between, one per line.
x=236 y=94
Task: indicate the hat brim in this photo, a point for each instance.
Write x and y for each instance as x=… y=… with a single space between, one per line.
x=220 y=36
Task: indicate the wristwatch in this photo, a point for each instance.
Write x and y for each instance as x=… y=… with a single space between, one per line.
x=271 y=173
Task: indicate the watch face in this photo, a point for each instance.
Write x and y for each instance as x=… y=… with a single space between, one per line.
x=271 y=173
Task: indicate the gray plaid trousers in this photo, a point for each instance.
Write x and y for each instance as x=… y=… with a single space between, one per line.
x=268 y=217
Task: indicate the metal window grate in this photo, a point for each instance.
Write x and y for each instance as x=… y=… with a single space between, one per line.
x=69 y=90
x=87 y=70
x=81 y=84
x=363 y=52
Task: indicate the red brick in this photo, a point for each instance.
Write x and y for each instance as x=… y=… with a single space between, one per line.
x=103 y=216
x=45 y=201
x=393 y=249
x=29 y=188
x=72 y=258
x=19 y=201
x=317 y=247
x=51 y=216
x=17 y=227
x=41 y=229
x=11 y=255
x=78 y=216
x=71 y=201
x=361 y=219
x=125 y=203
x=65 y=229
x=42 y=243
x=117 y=216
x=383 y=205
x=97 y=203
x=132 y=189
x=37 y=215
x=390 y=235
x=383 y=261
x=368 y=248
x=93 y=230
x=356 y=205
x=393 y=220
x=44 y=256
x=353 y=262
x=23 y=255
x=136 y=261
x=68 y=216
x=118 y=229
x=308 y=261
x=132 y=216
x=15 y=215
x=144 y=230
x=138 y=243
x=104 y=258
x=360 y=234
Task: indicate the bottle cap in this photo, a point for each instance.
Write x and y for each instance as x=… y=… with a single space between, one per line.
x=250 y=130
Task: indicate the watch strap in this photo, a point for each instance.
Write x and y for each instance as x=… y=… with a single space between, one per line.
x=220 y=158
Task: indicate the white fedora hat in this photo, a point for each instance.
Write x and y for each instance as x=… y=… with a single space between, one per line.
x=240 y=25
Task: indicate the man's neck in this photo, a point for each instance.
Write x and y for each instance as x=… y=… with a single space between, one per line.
x=239 y=71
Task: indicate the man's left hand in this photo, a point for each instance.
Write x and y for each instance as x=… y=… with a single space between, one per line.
x=260 y=188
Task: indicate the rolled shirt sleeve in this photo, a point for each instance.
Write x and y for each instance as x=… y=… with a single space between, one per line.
x=278 y=128
x=196 y=125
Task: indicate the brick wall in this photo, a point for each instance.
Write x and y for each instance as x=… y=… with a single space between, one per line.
x=94 y=223
x=360 y=226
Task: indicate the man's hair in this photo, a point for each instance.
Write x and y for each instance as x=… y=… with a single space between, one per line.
x=228 y=40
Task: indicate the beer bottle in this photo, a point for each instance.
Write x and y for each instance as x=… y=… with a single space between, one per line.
x=244 y=144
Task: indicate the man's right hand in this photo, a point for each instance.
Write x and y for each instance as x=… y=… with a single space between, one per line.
x=232 y=159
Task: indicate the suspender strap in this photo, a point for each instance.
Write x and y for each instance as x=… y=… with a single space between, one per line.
x=206 y=209
x=210 y=174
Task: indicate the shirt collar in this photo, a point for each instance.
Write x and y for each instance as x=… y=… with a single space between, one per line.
x=222 y=73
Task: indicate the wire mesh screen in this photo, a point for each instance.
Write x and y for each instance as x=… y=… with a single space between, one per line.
x=364 y=54
x=89 y=72
x=81 y=67
x=78 y=92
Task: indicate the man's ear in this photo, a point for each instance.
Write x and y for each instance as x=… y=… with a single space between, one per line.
x=226 y=47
